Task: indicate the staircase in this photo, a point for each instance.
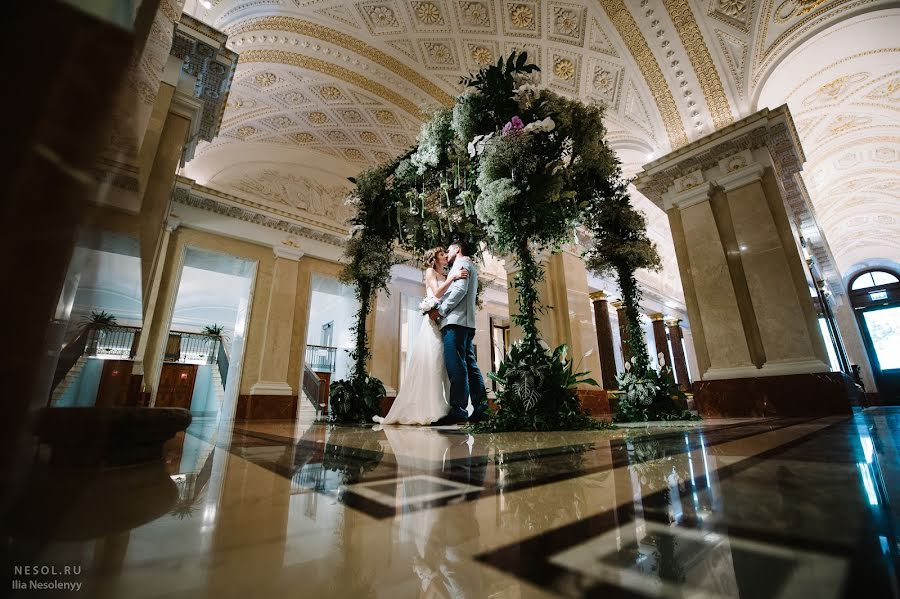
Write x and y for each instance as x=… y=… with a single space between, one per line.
x=219 y=389
x=67 y=381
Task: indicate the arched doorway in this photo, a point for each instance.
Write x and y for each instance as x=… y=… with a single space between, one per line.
x=875 y=297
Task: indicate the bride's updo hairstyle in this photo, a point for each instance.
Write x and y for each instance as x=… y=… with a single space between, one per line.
x=430 y=257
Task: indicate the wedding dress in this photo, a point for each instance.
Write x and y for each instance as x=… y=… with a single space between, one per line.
x=422 y=398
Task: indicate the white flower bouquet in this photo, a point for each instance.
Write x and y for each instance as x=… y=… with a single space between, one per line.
x=428 y=304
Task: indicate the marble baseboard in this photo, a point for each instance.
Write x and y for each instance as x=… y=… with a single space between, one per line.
x=594 y=401
x=818 y=394
x=266 y=407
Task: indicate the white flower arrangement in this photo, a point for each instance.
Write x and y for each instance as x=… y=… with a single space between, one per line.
x=478 y=144
x=543 y=126
x=429 y=304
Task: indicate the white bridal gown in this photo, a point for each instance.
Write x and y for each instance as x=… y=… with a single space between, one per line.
x=422 y=398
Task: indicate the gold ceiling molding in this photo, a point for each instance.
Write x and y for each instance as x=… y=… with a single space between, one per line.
x=333 y=36
x=332 y=70
x=628 y=30
x=701 y=61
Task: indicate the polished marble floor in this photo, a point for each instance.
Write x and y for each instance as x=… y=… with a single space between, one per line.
x=751 y=508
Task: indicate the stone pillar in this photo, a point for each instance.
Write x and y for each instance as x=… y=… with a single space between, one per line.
x=604 y=340
x=623 y=330
x=385 y=341
x=276 y=347
x=158 y=302
x=565 y=290
x=660 y=339
x=679 y=360
x=732 y=200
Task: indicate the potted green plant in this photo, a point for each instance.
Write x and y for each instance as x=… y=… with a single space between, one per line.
x=216 y=333
x=95 y=327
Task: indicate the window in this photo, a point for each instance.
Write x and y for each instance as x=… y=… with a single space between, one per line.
x=873 y=278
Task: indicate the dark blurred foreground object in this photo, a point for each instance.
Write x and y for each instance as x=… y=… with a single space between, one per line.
x=62 y=110
x=105 y=437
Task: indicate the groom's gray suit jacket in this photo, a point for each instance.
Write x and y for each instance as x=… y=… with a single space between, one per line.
x=458 y=304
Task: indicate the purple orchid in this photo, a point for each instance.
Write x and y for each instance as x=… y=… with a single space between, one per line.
x=515 y=124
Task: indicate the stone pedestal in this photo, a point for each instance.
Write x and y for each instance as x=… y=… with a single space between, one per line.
x=603 y=327
x=731 y=201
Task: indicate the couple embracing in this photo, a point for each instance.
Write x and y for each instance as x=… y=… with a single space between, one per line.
x=442 y=373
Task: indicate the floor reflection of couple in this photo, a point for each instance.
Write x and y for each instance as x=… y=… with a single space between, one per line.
x=443 y=535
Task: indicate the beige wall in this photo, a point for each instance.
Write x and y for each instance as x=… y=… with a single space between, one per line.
x=179 y=240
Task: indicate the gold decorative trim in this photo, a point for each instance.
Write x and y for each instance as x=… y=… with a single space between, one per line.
x=332 y=70
x=333 y=36
x=628 y=30
x=701 y=61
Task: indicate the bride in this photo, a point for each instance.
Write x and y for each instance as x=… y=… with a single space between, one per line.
x=422 y=398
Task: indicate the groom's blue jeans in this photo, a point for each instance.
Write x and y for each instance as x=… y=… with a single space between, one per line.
x=462 y=369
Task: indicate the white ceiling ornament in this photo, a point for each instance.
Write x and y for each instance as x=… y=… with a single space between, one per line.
x=837 y=86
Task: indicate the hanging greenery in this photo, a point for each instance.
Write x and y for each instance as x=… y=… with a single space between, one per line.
x=619 y=247
x=510 y=168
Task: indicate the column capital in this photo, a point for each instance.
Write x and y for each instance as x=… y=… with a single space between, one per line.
x=656 y=316
x=673 y=322
x=618 y=304
x=597 y=296
x=690 y=196
x=744 y=176
x=288 y=252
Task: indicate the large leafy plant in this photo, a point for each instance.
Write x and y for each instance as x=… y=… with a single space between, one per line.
x=648 y=394
x=538 y=392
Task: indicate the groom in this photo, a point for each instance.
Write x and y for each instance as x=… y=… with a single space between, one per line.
x=456 y=314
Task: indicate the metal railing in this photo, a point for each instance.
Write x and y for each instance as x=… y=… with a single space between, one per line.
x=118 y=341
x=321 y=358
x=312 y=388
x=194 y=348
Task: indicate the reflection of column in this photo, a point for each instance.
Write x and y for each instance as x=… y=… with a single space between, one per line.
x=604 y=340
x=623 y=329
x=733 y=217
x=660 y=339
x=679 y=360
x=276 y=346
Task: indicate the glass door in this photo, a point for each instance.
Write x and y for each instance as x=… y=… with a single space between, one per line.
x=882 y=336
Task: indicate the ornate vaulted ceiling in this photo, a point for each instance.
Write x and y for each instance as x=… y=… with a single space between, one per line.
x=325 y=88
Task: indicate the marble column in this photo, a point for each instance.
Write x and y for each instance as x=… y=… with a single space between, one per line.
x=158 y=303
x=660 y=339
x=604 y=340
x=733 y=200
x=568 y=320
x=276 y=347
x=679 y=360
x=183 y=117
x=623 y=330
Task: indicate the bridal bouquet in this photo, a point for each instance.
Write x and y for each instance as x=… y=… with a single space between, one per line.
x=429 y=304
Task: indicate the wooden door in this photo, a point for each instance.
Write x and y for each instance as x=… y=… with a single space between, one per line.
x=114 y=381
x=176 y=386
